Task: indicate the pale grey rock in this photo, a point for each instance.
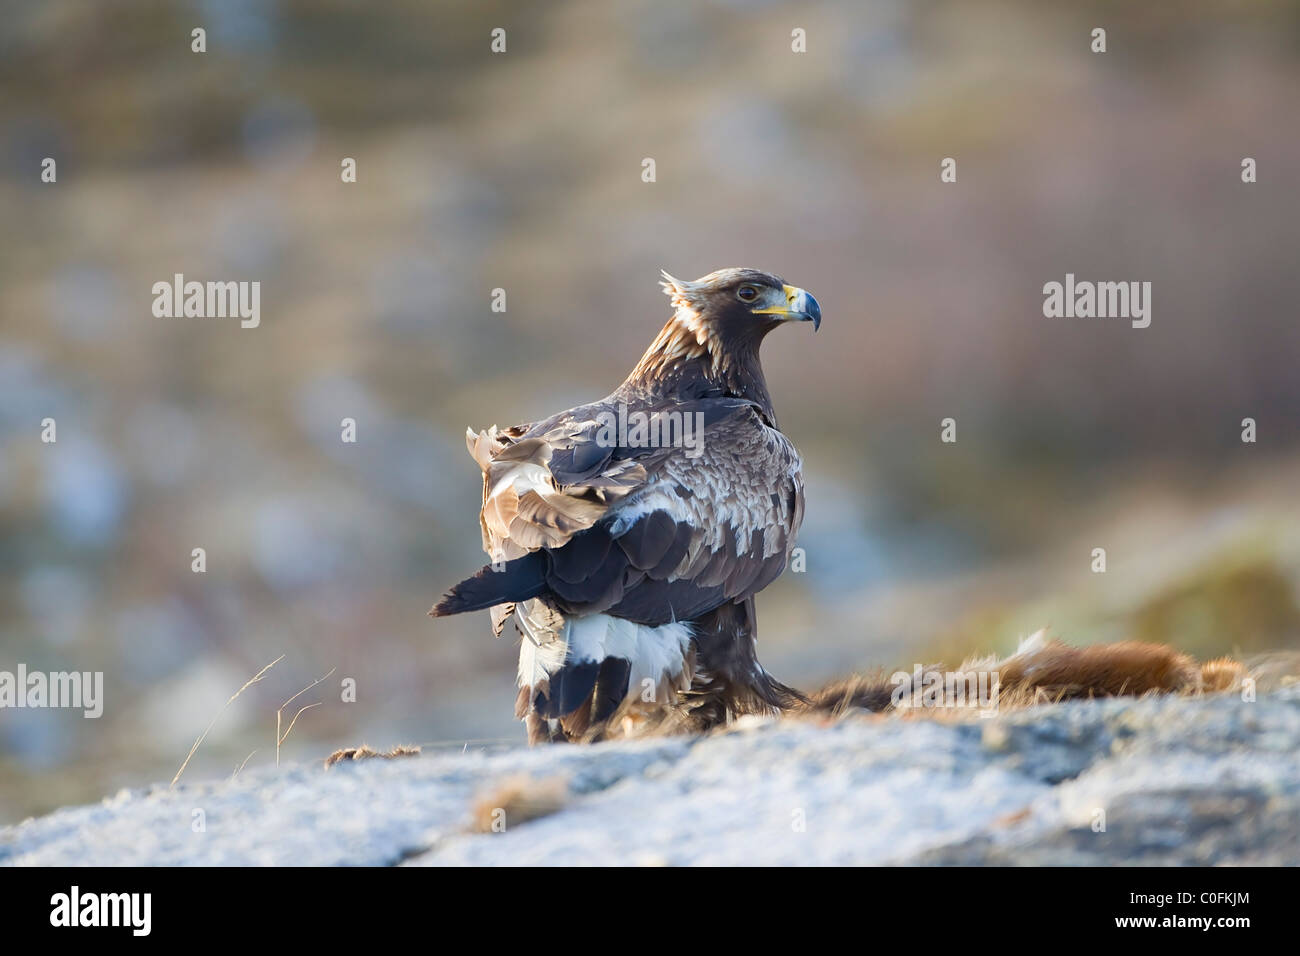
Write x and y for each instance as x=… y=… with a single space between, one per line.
x=1173 y=780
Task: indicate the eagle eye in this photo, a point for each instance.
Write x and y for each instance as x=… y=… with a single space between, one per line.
x=747 y=293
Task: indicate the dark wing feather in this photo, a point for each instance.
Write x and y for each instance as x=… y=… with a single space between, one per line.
x=693 y=531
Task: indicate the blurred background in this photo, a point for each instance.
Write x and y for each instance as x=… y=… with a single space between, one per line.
x=522 y=171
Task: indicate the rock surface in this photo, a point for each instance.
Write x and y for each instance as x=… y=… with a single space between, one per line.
x=1199 y=780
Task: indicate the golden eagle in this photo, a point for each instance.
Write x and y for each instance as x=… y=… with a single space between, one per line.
x=628 y=537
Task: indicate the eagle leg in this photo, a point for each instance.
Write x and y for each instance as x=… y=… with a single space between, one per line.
x=729 y=681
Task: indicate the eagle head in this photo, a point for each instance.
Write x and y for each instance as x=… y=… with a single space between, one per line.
x=712 y=340
x=739 y=304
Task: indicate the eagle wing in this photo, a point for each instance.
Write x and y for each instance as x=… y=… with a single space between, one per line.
x=544 y=483
x=653 y=535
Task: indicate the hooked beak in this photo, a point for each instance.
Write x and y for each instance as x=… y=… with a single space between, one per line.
x=800 y=306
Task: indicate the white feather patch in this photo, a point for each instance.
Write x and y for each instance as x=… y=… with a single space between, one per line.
x=653 y=652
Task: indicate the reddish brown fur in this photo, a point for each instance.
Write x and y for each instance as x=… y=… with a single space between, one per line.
x=1047 y=670
x=871 y=692
x=1059 y=671
x=365 y=753
x=1223 y=673
x=517 y=800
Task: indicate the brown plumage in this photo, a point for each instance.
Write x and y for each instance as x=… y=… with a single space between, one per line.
x=629 y=536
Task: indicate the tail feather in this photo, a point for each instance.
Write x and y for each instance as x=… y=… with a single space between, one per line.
x=516 y=580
